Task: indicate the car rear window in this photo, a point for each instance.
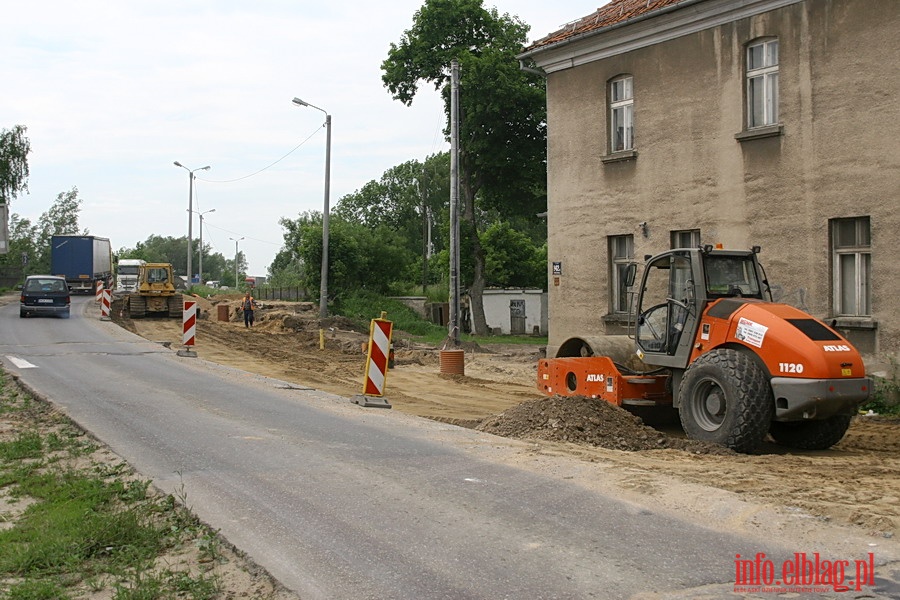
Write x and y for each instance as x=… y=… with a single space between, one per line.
x=45 y=285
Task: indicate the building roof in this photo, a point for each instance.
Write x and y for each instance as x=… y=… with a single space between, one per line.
x=614 y=13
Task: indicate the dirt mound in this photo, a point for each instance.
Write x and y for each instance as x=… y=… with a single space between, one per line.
x=872 y=434
x=582 y=420
x=416 y=357
x=311 y=322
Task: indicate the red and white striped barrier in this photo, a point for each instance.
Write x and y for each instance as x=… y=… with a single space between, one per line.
x=376 y=363
x=189 y=321
x=99 y=290
x=189 y=327
x=105 y=301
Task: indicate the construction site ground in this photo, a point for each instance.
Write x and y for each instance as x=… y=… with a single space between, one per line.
x=854 y=484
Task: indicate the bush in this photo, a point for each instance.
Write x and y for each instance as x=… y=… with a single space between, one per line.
x=362 y=306
x=885 y=398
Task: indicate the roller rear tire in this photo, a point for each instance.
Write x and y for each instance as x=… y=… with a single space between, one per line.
x=725 y=398
x=811 y=435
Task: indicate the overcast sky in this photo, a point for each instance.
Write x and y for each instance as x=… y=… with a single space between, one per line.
x=113 y=92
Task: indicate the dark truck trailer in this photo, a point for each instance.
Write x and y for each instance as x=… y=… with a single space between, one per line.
x=83 y=260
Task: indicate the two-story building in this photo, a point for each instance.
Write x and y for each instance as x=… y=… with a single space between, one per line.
x=678 y=123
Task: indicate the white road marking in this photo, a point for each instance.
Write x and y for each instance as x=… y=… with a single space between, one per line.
x=21 y=362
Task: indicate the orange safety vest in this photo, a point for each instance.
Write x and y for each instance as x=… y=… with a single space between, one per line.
x=248 y=303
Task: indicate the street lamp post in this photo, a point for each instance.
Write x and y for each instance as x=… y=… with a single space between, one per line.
x=235 y=260
x=323 y=286
x=201 y=240
x=190 y=240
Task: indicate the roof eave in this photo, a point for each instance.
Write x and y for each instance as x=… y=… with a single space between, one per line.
x=628 y=22
x=646 y=30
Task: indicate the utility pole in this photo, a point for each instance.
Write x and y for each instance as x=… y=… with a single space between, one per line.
x=235 y=260
x=454 y=202
x=425 y=240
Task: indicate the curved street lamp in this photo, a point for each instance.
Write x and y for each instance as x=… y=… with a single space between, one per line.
x=323 y=286
x=190 y=239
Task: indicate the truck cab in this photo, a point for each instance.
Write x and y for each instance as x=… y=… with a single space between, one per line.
x=128 y=274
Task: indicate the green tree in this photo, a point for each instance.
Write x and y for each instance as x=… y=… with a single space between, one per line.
x=502 y=113
x=359 y=256
x=410 y=202
x=228 y=274
x=159 y=249
x=174 y=250
x=214 y=264
x=31 y=243
x=286 y=270
x=512 y=259
x=61 y=218
x=14 y=150
x=22 y=249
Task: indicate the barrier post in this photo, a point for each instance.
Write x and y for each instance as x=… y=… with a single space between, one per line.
x=105 y=301
x=189 y=328
x=376 y=364
x=99 y=291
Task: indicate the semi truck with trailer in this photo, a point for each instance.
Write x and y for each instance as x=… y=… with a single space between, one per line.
x=83 y=260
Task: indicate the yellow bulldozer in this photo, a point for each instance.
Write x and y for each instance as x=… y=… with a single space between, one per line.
x=156 y=295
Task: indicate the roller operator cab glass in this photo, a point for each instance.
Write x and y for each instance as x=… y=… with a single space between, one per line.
x=731 y=276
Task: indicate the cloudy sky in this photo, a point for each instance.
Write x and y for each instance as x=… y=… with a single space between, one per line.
x=112 y=93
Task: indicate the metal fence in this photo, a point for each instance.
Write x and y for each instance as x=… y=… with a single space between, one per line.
x=10 y=276
x=267 y=292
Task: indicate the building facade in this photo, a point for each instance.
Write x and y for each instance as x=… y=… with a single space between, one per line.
x=736 y=122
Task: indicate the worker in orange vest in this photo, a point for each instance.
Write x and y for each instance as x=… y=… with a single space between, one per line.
x=248 y=305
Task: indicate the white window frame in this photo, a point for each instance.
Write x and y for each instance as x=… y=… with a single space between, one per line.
x=678 y=236
x=621 y=114
x=762 y=83
x=852 y=264
x=621 y=254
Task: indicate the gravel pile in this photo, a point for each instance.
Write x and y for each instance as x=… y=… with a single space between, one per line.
x=582 y=420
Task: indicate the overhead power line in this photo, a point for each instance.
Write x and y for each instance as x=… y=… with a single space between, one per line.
x=267 y=167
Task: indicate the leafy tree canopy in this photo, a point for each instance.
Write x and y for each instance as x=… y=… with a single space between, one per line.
x=409 y=201
x=174 y=250
x=502 y=115
x=359 y=257
x=512 y=259
x=14 y=150
x=29 y=244
x=502 y=108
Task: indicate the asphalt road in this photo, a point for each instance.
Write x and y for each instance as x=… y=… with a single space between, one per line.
x=338 y=501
